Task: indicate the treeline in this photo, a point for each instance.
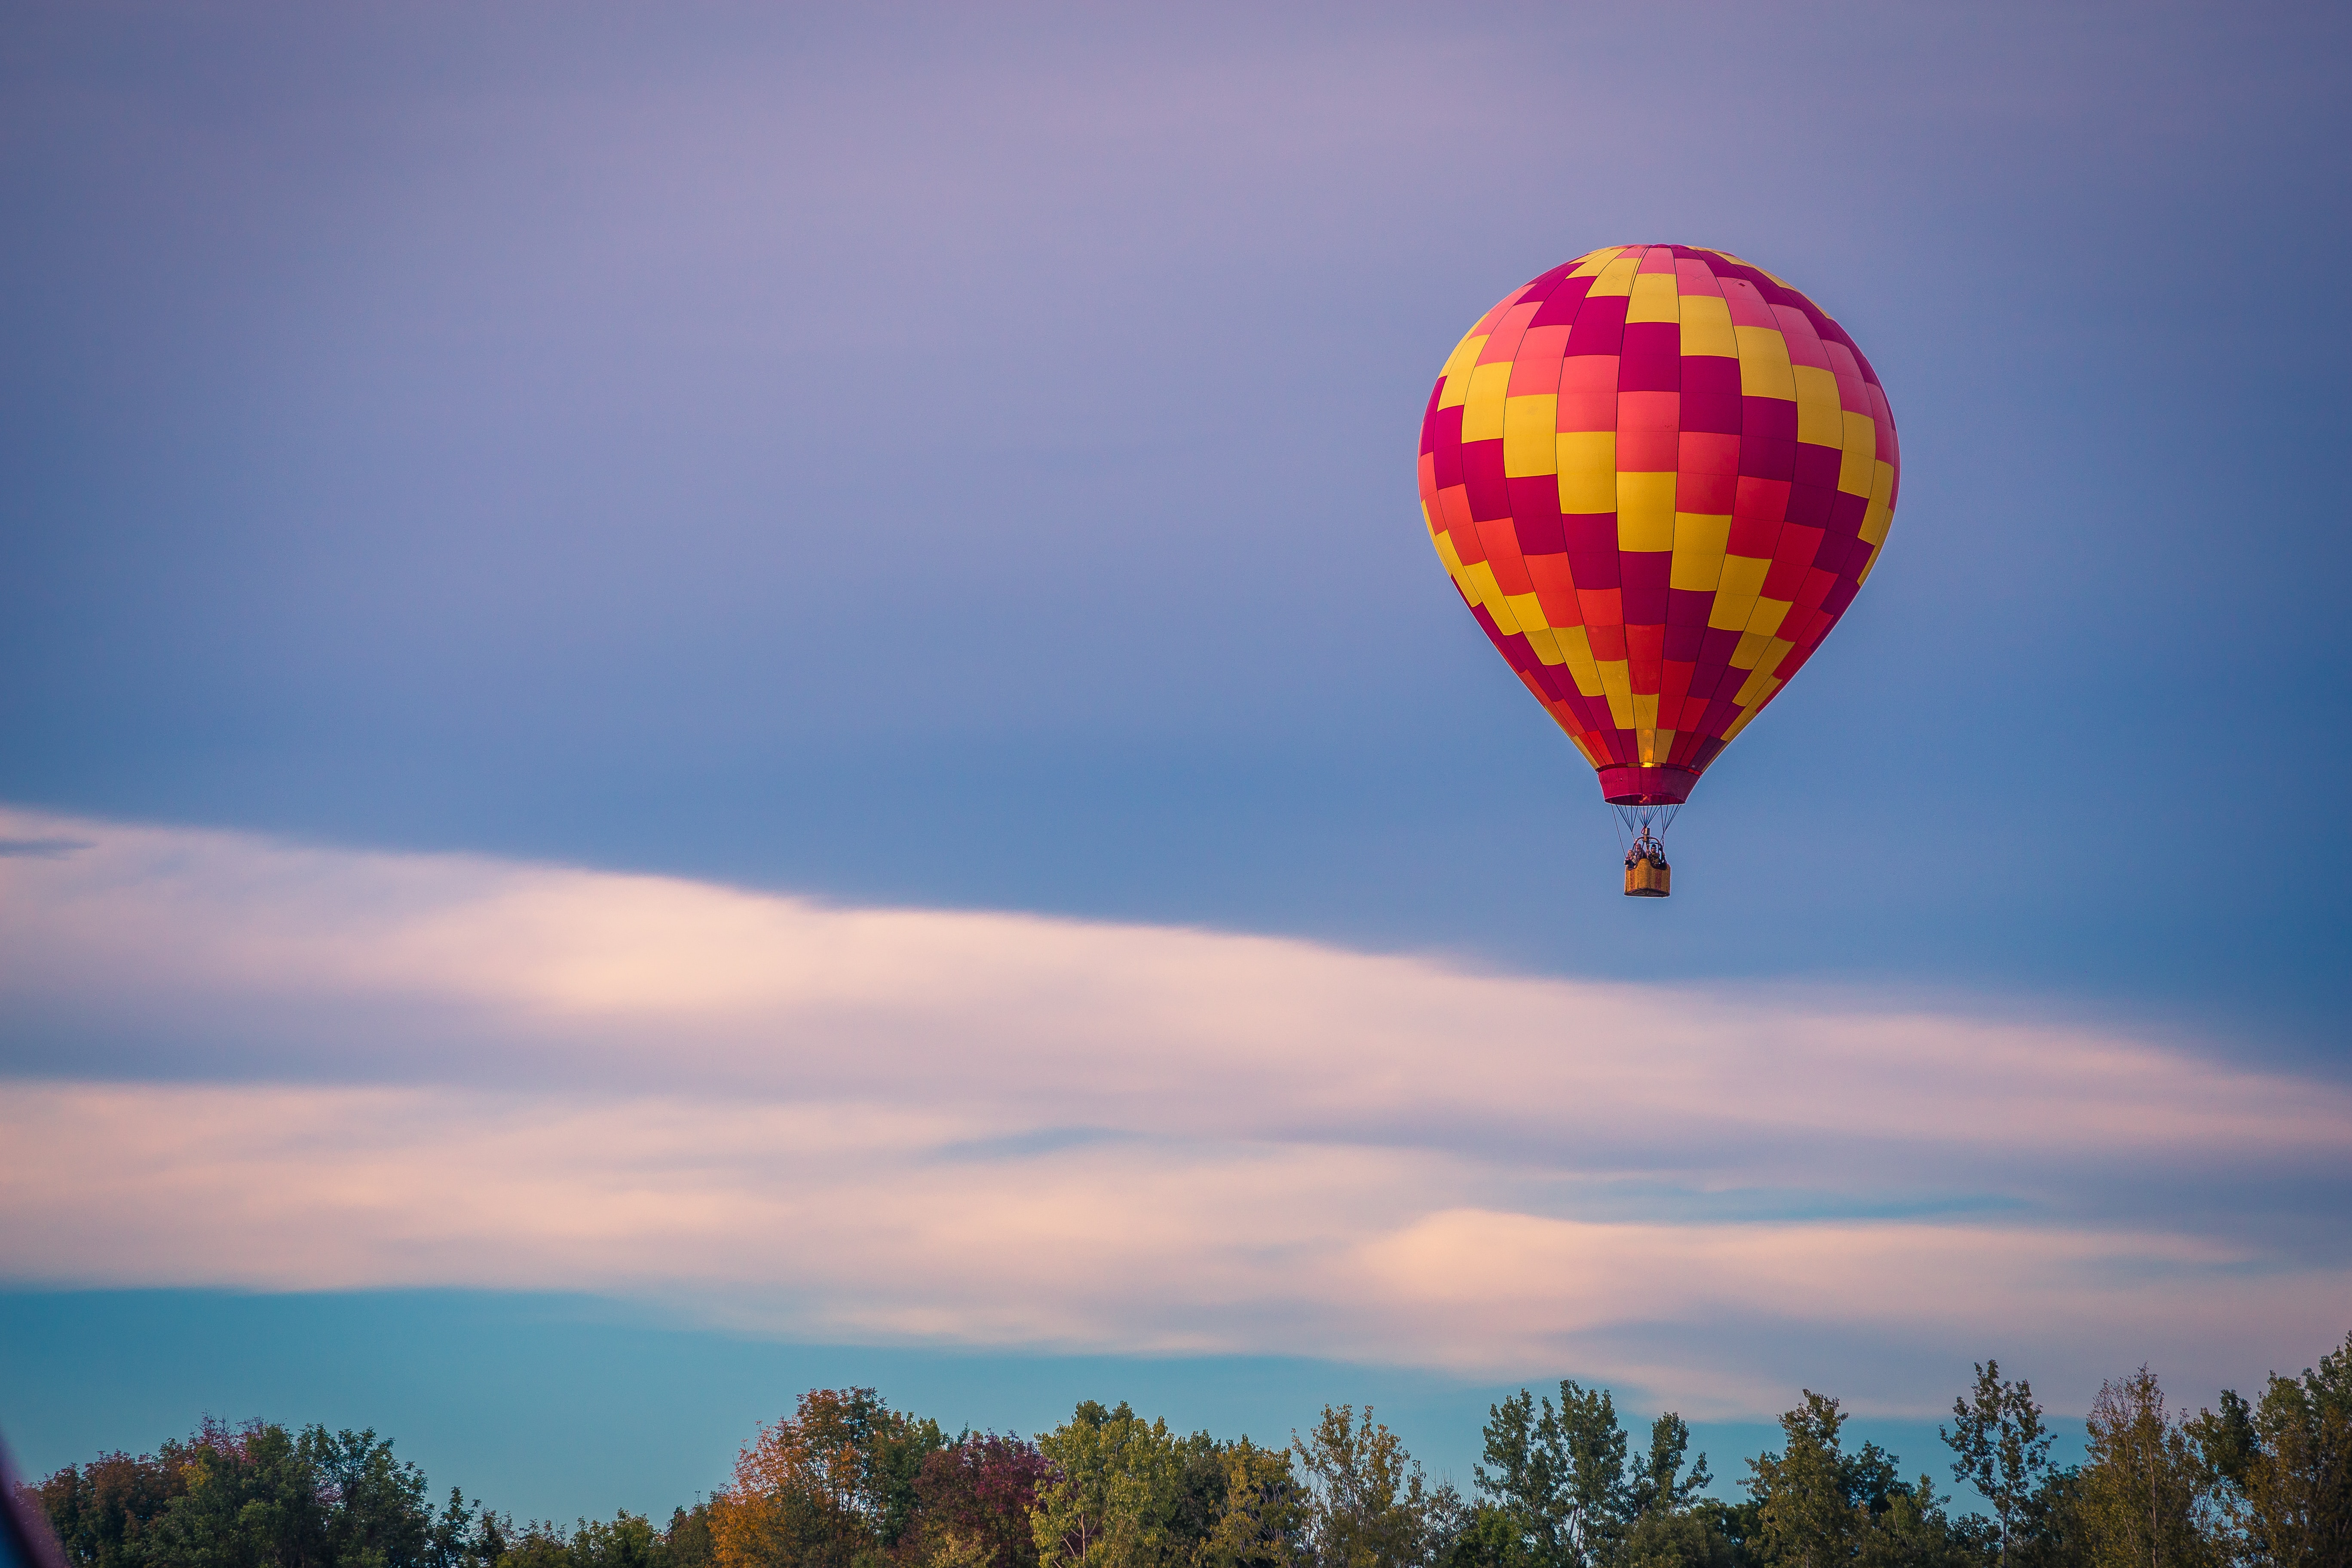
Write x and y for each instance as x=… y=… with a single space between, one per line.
x=849 y=1482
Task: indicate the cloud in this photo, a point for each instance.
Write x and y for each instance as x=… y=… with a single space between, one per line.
x=247 y=1063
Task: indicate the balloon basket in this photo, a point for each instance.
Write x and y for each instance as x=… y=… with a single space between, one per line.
x=1647 y=875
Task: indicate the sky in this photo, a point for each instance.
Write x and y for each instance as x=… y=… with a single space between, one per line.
x=764 y=682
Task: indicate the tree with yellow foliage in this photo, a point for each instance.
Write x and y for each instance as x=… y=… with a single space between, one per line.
x=832 y=1487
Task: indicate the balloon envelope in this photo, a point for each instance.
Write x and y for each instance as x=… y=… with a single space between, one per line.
x=1658 y=475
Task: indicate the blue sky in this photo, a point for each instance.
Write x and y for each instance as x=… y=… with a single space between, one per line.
x=938 y=460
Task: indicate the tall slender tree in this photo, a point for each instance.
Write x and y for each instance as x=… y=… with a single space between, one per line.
x=1373 y=1506
x=2146 y=1489
x=2000 y=1446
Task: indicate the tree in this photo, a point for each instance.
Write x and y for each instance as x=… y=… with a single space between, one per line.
x=687 y=1543
x=2287 y=1462
x=2001 y=1448
x=1816 y=1505
x=1553 y=1487
x=1670 y=1528
x=975 y=1498
x=256 y=1496
x=1806 y=1513
x=1115 y=1488
x=1661 y=1487
x=101 y=1511
x=1263 y=1517
x=1372 y=1507
x=831 y=1487
x=2146 y=1491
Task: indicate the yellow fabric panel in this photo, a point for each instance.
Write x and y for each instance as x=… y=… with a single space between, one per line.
x=1706 y=326
x=1543 y=640
x=1755 y=687
x=1645 y=512
x=1743 y=576
x=1457 y=369
x=1730 y=611
x=1655 y=744
x=1751 y=646
x=1882 y=487
x=1863 y=576
x=1447 y=553
x=1527 y=613
x=1645 y=710
x=1588 y=470
x=1854 y=471
x=1466 y=353
x=1699 y=549
x=1617 y=277
x=1581 y=667
x=1766 y=616
x=1764 y=363
x=1485 y=591
x=1482 y=411
x=1655 y=299
x=1820 y=420
x=1595 y=260
x=1617 y=681
x=1530 y=435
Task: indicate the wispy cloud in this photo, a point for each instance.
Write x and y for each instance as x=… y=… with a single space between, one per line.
x=247 y=1063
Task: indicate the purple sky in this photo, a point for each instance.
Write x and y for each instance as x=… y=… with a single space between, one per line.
x=961 y=459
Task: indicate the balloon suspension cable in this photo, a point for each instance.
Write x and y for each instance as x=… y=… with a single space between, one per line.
x=1645 y=827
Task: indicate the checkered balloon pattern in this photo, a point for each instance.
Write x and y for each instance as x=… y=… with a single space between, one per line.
x=1658 y=475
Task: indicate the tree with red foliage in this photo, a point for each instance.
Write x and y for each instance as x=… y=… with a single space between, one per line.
x=976 y=1495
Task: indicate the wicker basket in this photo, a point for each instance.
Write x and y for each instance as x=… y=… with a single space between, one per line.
x=1648 y=878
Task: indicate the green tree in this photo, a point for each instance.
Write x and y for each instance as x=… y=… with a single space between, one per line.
x=256 y=1496
x=1661 y=1487
x=465 y=1534
x=1552 y=1485
x=1116 y=1490
x=686 y=1542
x=1806 y=1513
x=537 y=1544
x=1690 y=1538
x=1816 y=1505
x=2052 y=1533
x=2286 y=1462
x=1263 y=1517
x=2001 y=1448
x=1372 y=1506
x=2146 y=1492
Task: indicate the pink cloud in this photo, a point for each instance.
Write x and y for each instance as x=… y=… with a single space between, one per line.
x=324 y=1069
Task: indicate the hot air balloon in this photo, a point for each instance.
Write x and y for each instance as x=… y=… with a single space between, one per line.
x=1657 y=475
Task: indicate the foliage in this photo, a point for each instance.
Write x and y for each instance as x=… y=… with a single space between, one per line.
x=1555 y=1489
x=2147 y=1493
x=256 y=1495
x=1372 y=1507
x=2284 y=1466
x=975 y=1498
x=1817 y=1505
x=1122 y=1492
x=849 y=1482
x=831 y=1487
x=2000 y=1446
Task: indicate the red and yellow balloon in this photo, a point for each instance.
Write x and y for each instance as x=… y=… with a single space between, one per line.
x=1658 y=475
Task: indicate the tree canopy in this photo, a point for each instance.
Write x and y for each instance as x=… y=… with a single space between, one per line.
x=846 y=1481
